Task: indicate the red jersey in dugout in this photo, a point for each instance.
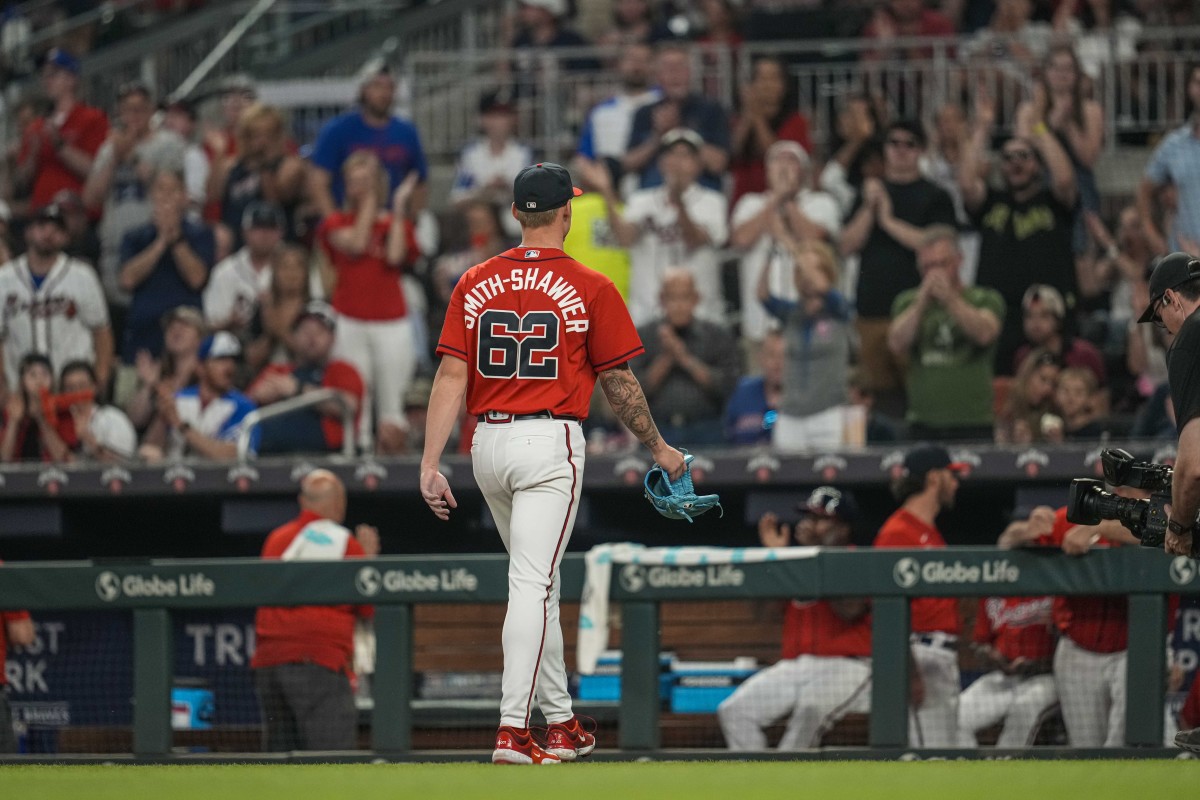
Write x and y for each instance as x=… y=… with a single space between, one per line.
x=1018 y=627
x=812 y=628
x=1099 y=623
x=322 y=635
x=929 y=614
x=535 y=327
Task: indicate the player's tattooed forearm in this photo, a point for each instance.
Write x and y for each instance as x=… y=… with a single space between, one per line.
x=628 y=401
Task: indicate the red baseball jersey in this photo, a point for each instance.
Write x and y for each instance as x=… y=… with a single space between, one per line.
x=5 y=618
x=812 y=628
x=84 y=128
x=322 y=635
x=929 y=614
x=1019 y=627
x=535 y=327
x=367 y=288
x=1099 y=623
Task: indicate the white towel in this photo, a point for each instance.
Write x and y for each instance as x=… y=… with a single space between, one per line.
x=593 y=609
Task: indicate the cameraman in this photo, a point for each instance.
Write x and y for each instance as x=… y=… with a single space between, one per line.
x=1174 y=298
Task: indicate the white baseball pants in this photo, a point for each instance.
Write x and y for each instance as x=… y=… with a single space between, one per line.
x=1020 y=702
x=530 y=473
x=814 y=692
x=384 y=354
x=1091 y=691
x=935 y=723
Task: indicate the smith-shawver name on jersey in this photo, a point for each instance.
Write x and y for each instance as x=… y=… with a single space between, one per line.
x=557 y=288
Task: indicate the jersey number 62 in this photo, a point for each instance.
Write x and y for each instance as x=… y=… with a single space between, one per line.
x=518 y=346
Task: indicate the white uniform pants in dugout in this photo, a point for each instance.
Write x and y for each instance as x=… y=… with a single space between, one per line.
x=1091 y=691
x=811 y=692
x=530 y=473
x=1022 y=704
x=935 y=723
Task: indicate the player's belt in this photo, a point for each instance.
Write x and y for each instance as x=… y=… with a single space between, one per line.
x=935 y=639
x=501 y=418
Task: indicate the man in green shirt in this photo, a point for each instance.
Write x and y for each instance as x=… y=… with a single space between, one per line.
x=948 y=334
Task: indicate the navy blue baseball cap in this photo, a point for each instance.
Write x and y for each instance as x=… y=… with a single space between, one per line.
x=543 y=187
x=928 y=457
x=1170 y=272
x=826 y=501
x=63 y=60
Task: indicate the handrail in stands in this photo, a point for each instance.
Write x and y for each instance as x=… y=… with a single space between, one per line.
x=291 y=405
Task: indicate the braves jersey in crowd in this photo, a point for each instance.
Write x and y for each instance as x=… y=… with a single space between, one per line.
x=55 y=315
x=1018 y=627
x=233 y=290
x=535 y=327
x=220 y=419
x=812 y=628
x=322 y=635
x=929 y=614
x=367 y=287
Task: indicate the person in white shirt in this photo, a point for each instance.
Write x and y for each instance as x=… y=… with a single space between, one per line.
x=105 y=433
x=787 y=207
x=488 y=166
x=180 y=118
x=605 y=133
x=231 y=296
x=677 y=224
x=53 y=304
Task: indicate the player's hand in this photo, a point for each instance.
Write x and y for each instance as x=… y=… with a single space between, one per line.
x=1175 y=544
x=435 y=490
x=1041 y=522
x=771 y=533
x=368 y=538
x=1080 y=539
x=671 y=460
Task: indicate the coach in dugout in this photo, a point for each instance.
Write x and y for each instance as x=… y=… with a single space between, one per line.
x=1174 y=298
x=302 y=662
x=16 y=628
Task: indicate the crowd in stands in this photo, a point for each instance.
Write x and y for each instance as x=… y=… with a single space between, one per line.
x=951 y=277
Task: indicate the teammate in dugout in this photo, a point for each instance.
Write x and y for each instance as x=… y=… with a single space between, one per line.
x=927 y=486
x=526 y=336
x=1174 y=299
x=825 y=672
x=1014 y=638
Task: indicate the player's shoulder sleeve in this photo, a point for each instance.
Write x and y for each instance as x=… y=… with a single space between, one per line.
x=612 y=338
x=453 y=341
x=894 y=533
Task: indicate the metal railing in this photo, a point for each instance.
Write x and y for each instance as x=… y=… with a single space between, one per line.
x=891 y=578
x=291 y=405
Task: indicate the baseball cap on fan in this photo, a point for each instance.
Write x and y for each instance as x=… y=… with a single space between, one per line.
x=60 y=58
x=826 y=501
x=320 y=311
x=1171 y=271
x=928 y=457
x=221 y=344
x=543 y=187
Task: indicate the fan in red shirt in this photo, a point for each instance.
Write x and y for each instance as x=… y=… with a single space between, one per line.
x=56 y=151
x=368 y=248
x=526 y=336
x=304 y=654
x=16 y=628
x=825 y=672
x=314 y=429
x=927 y=486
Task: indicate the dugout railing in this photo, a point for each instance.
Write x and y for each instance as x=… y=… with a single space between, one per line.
x=153 y=592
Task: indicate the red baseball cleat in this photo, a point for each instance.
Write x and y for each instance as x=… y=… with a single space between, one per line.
x=517 y=746
x=568 y=740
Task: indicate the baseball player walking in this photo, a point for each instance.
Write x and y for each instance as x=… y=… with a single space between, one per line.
x=526 y=335
x=927 y=486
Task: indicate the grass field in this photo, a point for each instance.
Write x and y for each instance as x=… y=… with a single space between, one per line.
x=977 y=780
